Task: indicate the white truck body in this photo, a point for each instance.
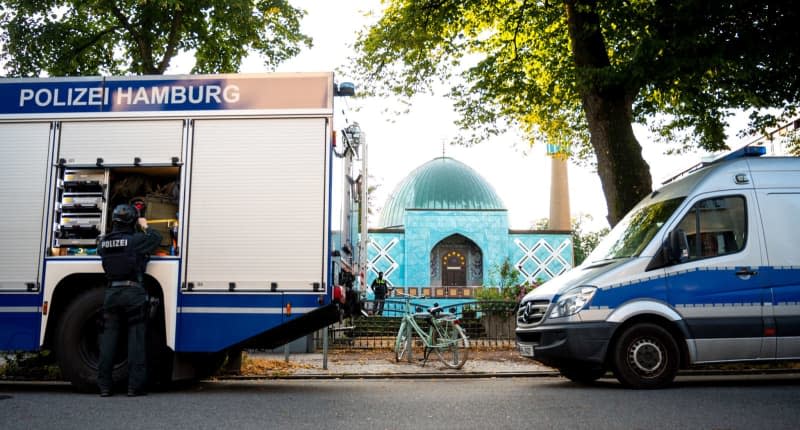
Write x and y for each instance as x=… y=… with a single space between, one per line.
x=251 y=159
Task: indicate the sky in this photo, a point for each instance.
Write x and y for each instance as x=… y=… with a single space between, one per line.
x=398 y=144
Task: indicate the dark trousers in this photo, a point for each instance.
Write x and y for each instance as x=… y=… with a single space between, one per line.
x=379 y=304
x=124 y=307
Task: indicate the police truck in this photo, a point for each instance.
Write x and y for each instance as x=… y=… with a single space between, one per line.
x=237 y=172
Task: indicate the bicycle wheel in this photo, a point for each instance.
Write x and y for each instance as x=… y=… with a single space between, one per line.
x=453 y=346
x=402 y=345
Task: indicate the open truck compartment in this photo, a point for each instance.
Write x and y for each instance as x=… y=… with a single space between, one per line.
x=86 y=198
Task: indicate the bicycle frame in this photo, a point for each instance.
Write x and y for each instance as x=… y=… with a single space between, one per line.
x=444 y=335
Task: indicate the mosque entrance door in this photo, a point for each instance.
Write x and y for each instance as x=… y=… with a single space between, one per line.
x=456 y=261
x=454 y=270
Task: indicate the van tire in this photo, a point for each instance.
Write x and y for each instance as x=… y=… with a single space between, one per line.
x=77 y=342
x=645 y=356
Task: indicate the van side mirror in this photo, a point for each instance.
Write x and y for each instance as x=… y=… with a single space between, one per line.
x=677 y=247
x=674 y=250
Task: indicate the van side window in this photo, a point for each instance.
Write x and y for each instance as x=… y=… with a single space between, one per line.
x=716 y=226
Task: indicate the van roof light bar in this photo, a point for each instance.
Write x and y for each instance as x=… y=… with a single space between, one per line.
x=745 y=151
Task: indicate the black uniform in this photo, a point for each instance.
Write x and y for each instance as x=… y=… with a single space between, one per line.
x=125 y=254
x=379 y=287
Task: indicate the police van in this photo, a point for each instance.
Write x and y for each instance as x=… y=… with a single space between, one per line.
x=236 y=171
x=703 y=270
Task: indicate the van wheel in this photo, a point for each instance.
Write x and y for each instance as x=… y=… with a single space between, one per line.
x=77 y=342
x=582 y=375
x=645 y=356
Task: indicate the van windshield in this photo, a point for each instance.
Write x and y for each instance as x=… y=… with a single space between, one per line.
x=631 y=235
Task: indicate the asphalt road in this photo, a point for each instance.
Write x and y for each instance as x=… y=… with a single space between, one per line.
x=742 y=402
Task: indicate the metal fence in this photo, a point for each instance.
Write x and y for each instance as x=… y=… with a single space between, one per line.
x=487 y=323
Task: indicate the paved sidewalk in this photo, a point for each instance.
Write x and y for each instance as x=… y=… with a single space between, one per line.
x=381 y=364
x=372 y=364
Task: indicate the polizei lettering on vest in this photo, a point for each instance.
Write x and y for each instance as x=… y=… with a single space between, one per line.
x=115 y=243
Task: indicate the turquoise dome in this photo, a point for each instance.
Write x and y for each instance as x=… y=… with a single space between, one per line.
x=440 y=184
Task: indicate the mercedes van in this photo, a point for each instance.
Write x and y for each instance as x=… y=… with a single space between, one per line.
x=704 y=270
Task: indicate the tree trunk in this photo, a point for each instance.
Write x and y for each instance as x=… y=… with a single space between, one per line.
x=624 y=173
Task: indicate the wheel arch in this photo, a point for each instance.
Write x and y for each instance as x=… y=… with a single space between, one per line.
x=72 y=286
x=675 y=327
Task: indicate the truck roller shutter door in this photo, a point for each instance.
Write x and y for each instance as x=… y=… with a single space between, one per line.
x=119 y=142
x=257 y=208
x=23 y=179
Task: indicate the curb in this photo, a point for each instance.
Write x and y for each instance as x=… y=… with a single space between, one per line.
x=422 y=375
x=536 y=374
x=478 y=375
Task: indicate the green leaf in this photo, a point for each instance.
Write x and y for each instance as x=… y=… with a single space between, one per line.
x=68 y=38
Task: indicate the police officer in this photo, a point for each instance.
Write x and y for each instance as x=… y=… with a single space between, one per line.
x=125 y=252
x=379 y=288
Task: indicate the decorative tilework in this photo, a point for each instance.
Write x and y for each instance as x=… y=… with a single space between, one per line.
x=542 y=256
x=385 y=254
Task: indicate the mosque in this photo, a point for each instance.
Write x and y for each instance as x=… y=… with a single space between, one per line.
x=444 y=232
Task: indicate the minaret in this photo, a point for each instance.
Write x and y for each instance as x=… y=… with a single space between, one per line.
x=559 y=192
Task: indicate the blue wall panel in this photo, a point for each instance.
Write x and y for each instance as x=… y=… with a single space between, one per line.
x=386 y=253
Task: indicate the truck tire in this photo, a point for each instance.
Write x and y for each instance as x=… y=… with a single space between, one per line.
x=159 y=357
x=77 y=342
x=645 y=357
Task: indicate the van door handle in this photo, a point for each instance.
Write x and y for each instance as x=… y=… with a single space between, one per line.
x=745 y=271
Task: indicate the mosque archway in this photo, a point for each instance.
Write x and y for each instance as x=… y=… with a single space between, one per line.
x=456 y=261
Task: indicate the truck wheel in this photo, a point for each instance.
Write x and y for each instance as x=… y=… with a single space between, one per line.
x=645 y=356
x=159 y=357
x=584 y=374
x=77 y=342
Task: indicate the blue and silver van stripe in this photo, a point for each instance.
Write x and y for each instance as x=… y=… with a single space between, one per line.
x=637 y=281
x=720 y=310
x=663 y=275
x=595 y=313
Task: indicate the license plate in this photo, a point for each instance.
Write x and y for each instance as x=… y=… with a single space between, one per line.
x=525 y=350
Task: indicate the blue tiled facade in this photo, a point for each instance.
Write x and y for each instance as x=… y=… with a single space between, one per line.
x=445 y=226
x=424 y=229
x=404 y=256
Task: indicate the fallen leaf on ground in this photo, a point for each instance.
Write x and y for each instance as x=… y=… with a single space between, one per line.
x=260 y=366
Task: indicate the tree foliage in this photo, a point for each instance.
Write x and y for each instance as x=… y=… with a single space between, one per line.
x=90 y=37
x=577 y=73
